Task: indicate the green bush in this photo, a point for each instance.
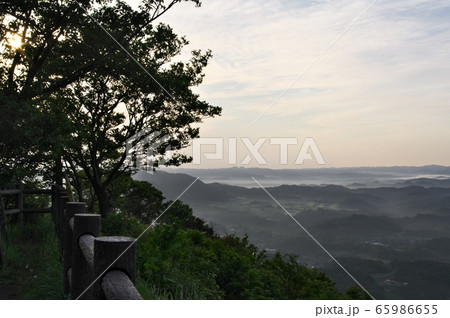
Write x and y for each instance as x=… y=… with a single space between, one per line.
x=139 y=199
x=179 y=263
x=119 y=224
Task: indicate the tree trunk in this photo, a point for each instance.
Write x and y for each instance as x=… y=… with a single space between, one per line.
x=103 y=200
x=79 y=193
x=58 y=171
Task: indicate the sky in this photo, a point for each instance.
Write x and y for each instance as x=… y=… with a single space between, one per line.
x=368 y=82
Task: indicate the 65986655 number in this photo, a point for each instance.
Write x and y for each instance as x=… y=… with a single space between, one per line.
x=406 y=309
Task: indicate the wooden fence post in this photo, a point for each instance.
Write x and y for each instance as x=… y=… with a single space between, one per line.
x=3 y=223
x=82 y=270
x=19 y=203
x=106 y=250
x=63 y=199
x=56 y=190
x=3 y=229
x=72 y=208
x=54 y=202
x=1 y=251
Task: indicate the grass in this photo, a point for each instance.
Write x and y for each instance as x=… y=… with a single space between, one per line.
x=33 y=264
x=149 y=291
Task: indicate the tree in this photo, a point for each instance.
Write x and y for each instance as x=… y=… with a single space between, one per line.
x=34 y=37
x=90 y=94
x=42 y=50
x=120 y=101
x=139 y=199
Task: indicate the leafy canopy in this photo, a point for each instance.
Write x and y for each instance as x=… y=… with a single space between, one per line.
x=85 y=77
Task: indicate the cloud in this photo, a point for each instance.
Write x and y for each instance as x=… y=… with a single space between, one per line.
x=386 y=76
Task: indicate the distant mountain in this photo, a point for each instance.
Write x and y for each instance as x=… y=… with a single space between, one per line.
x=426 y=183
x=353 y=177
x=174 y=184
x=417 y=196
x=385 y=217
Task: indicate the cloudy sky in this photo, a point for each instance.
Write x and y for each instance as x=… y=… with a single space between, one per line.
x=370 y=84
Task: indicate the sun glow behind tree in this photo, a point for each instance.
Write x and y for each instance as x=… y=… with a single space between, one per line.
x=14 y=40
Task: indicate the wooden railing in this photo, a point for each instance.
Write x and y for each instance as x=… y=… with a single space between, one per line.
x=94 y=267
x=17 y=209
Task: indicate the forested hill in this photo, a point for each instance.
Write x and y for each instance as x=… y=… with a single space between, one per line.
x=403 y=225
x=408 y=198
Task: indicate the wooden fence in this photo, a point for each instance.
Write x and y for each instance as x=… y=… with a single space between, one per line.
x=18 y=209
x=94 y=267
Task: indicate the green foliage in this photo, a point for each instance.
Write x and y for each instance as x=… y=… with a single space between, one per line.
x=141 y=200
x=180 y=214
x=36 y=200
x=144 y=202
x=162 y=104
x=33 y=262
x=356 y=292
x=179 y=263
x=248 y=274
x=301 y=282
x=70 y=91
x=119 y=224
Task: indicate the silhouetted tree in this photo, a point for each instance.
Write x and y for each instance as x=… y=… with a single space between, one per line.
x=70 y=90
